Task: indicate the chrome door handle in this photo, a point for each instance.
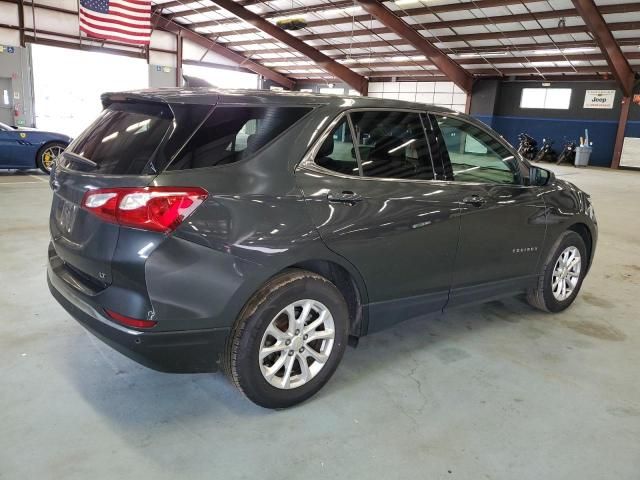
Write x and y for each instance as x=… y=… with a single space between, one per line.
x=475 y=200
x=348 y=197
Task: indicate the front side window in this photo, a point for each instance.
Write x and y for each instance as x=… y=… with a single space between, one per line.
x=475 y=156
x=233 y=133
x=337 y=152
x=392 y=144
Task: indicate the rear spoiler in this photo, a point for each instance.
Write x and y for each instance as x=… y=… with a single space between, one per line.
x=118 y=97
x=199 y=95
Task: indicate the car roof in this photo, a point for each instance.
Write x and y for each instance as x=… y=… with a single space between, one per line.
x=212 y=96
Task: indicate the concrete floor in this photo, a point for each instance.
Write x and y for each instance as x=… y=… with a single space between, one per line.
x=499 y=391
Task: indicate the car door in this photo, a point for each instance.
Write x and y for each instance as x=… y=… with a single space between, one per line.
x=368 y=186
x=11 y=147
x=502 y=220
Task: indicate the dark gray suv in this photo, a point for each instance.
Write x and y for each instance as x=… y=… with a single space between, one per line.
x=262 y=232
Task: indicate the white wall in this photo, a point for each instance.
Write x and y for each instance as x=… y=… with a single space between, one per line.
x=444 y=94
x=222 y=78
x=68 y=84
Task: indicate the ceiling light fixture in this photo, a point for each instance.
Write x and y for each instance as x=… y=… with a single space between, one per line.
x=292 y=24
x=487 y=54
x=578 y=50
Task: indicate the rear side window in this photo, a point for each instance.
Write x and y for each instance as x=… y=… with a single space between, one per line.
x=124 y=138
x=392 y=144
x=337 y=152
x=230 y=134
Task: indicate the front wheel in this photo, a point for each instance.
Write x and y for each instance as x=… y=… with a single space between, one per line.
x=48 y=155
x=288 y=340
x=562 y=275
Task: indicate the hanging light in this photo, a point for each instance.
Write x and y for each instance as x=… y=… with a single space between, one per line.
x=292 y=23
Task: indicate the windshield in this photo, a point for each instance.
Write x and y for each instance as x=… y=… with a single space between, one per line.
x=123 y=139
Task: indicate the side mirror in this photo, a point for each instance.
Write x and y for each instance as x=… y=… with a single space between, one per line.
x=539 y=176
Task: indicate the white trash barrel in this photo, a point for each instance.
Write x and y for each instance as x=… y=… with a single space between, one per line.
x=582 y=156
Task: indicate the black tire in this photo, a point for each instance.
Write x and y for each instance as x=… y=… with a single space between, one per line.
x=241 y=361
x=542 y=296
x=41 y=162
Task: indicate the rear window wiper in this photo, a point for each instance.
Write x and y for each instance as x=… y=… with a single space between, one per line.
x=80 y=158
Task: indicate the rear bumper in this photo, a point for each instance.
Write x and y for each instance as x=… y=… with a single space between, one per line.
x=186 y=351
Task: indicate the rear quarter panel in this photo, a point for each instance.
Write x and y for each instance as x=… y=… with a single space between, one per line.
x=253 y=225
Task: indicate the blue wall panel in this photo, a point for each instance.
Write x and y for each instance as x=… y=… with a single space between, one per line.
x=486 y=119
x=601 y=132
x=633 y=129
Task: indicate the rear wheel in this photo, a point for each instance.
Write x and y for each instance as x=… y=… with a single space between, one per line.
x=48 y=155
x=288 y=340
x=562 y=274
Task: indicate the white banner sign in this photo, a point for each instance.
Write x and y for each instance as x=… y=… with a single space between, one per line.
x=599 y=99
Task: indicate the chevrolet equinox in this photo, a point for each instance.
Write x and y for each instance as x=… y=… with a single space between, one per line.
x=260 y=232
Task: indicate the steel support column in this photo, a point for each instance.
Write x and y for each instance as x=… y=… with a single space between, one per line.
x=622 y=126
x=179 y=45
x=21 y=21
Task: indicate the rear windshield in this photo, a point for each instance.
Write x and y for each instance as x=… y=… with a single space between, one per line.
x=124 y=137
x=232 y=133
x=138 y=138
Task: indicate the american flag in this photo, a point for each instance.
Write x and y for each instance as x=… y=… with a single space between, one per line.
x=123 y=20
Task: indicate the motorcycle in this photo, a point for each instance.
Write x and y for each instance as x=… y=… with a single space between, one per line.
x=568 y=153
x=546 y=153
x=527 y=146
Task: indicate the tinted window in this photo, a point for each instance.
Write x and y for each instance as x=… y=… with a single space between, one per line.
x=337 y=153
x=124 y=137
x=475 y=155
x=392 y=144
x=230 y=134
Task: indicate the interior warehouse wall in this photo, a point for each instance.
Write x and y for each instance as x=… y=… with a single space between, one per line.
x=498 y=105
x=15 y=72
x=161 y=76
x=444 y=94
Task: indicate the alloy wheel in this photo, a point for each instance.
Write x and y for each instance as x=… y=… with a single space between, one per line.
x=296 y=344
x=566 y=273
x=50 y=155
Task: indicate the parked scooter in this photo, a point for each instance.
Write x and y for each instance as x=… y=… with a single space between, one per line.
x=568 y=153
x=527 y=147
x=546 y=153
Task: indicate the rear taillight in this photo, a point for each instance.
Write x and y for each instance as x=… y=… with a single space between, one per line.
x=160 y=209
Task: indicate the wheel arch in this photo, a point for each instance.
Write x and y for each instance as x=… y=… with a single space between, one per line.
x=585 y=233
x=350 y=286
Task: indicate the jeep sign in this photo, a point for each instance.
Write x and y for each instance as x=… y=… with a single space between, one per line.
x=599 y=99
